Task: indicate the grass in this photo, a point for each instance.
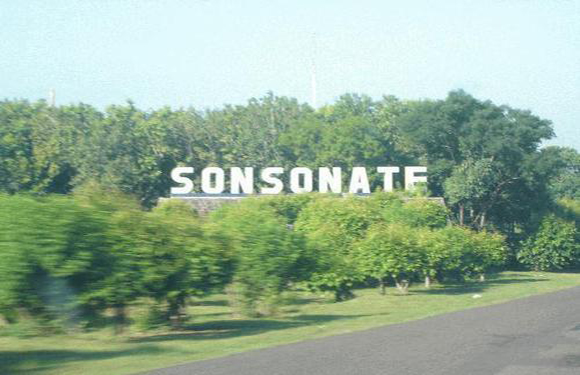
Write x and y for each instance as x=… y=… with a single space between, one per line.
x=213 y=332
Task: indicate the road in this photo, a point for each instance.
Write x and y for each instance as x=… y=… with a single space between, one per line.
x=538 y=335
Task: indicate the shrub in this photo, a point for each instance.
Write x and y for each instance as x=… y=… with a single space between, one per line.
x=415 y=212
x=174 y=264
x=75 y=257
x=489 y=252
x=117 y=281
x=288 y=206
x=441 y=254
x=390 y=250
x=479 y=252
x=267 y=256
x=425 y=213
x=331 y=226
x=50 y=248
x=553 y=247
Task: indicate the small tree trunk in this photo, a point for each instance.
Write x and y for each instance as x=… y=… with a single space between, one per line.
x=461 y=214
x=343 y=293
x=382 y=286
x=482 y=221
x=427 y=281
x=402 y=286
x=120 y=318
x=174 y=313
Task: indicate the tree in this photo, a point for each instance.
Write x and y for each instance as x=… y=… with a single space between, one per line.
x=471 y=185
x=355 y=131
x=565 y=172
x=134 y=152
x=479 y=142
x=248 y=135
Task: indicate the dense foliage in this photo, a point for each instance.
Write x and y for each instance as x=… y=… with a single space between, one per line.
x=266 y=255
x=77 y=259
x=554 y=246
x=83 y=236
x=482 y=157
x=331 y=226
x=390 y=250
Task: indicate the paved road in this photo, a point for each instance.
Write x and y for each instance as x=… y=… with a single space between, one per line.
x=533 y=336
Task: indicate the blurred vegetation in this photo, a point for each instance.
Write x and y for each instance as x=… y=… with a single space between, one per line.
x=83 y=241
x=86 y=259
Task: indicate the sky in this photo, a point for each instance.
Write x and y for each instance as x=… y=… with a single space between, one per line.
x=206 y=53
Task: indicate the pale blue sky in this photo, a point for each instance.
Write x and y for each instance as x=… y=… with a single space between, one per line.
x=207 y=53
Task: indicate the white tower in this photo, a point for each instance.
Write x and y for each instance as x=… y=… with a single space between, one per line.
x=51 y=97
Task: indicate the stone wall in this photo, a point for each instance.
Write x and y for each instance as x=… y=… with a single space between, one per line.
x=205 y=204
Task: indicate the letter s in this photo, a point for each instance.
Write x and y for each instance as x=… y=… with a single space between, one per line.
x=176 y=175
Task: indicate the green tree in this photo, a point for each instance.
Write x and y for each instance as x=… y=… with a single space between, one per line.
x=38 y=145
x=354 y=131
x=134 y=151
x=470 y=185
x=482 y=142
x=565 y=176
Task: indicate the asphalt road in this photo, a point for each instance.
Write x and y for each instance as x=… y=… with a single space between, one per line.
x=539 y=335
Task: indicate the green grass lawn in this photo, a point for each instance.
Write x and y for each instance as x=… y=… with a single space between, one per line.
x=213 y=332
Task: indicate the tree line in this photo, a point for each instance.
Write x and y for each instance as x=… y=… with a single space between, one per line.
x=482 y=157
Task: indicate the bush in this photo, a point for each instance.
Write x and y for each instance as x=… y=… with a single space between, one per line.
x=479 y=252
x=288 y=206
x=174 y=264
x=417 y=212
x=118 y=280
x=442 y=253
x=50 y=248
x=69 y=259
x=267 y=256
x=390 y=250
x=331 y=226
x=425 y=213
x=486 y=252
x=569 y=209
x=157 y=254
x=553 y=247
